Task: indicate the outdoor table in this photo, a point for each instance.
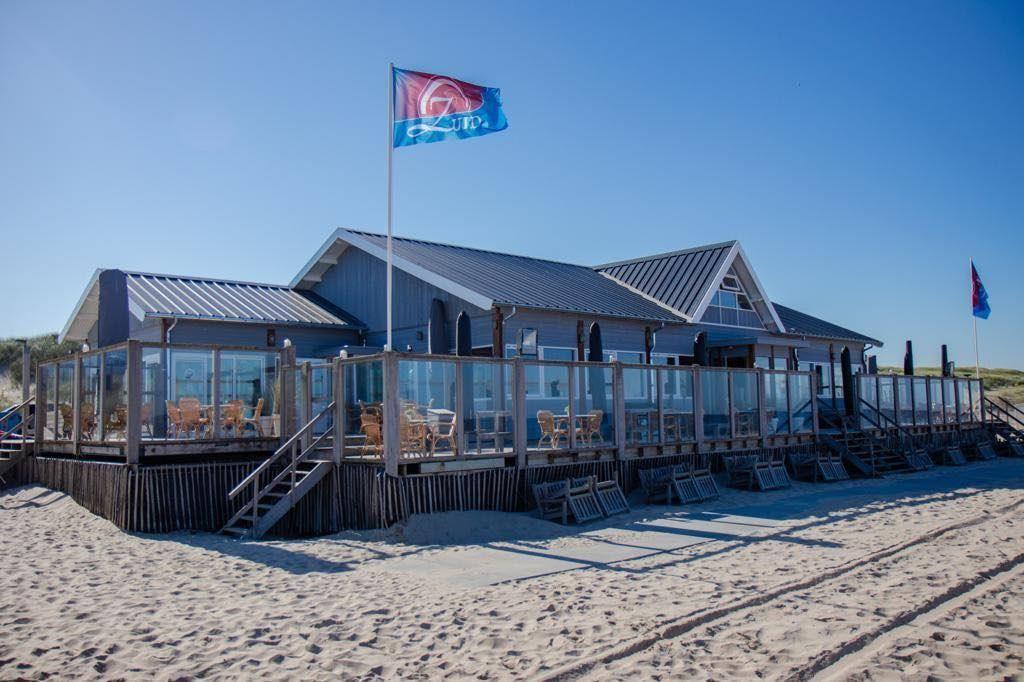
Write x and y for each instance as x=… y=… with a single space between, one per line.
x=635 y=418
x=500 y=419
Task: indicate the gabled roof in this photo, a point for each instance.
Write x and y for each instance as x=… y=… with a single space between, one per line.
x=807 y=325
x=486 y=278
x=685 y=281
x=202 y=298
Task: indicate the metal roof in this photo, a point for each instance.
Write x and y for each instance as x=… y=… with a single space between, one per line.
x=489 y=278
x=807 y=325
x=218 y=299
x=678 y=279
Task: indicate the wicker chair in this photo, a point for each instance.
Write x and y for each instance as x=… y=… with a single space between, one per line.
x=192 y=419
x=590 y=427
x=175 y=424
x=371 y=429
x=445 y=431
x=253 y=421
x=549 y=430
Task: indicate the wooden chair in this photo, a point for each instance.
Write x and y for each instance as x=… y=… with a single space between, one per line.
x=146 y=417
x=116 y=422
x=231 y=417
x=67 y=420
x=370 y=427
x=175 y=424
x=445 y=431
x=412 y=434
x=253 y=420
x=192 y=419
x=590 y=427
x=549 y=430
x=87 y=417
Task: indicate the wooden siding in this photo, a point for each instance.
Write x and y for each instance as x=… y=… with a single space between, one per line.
x=358 y=285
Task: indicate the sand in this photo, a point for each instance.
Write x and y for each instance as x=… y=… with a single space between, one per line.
x=902 y=578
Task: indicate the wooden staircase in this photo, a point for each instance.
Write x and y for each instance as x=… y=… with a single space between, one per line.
x=1006 y=423
x=277 y=485
x=15 y=444
x=862 y=451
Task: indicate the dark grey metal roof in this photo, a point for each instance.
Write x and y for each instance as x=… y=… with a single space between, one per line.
x=678 y=279
x=508 y=279
x=807 y=325
x=217 y=299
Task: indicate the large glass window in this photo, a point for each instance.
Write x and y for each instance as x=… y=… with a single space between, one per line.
x=427 y=423
x=964 y=399
x=776 y=405
x=949 y=399
x=887 y=400
x=731 y=305
x=488 y=416
x=89 y=397
x=594 y=424
x=677 y=403
x=248 y=392
x=65 y=400
x=976 y=407
x=714 y=388
x=115 y=398
x=47 y=411
x=364 y=397
x=867 y=391
x=935 y=393
x=641 y=404
x=800 y=400
x=920 y=401
x=745 y=404
x=906 y=401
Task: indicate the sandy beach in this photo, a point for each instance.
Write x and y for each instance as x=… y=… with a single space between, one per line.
x=906 y=577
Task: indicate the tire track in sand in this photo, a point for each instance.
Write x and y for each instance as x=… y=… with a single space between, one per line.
x=673 y=629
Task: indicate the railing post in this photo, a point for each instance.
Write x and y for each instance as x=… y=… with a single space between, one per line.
x=519 y=439
x=39 y=426
x=215 y=417
x=571 y=385
x=133 y=434
x=340 y=413
x=306 y=400
x=391 y=414
x=814 y=404
x=101 y=426
x=26 y=381
x=762 y=395
x=287 y=393
x=619 y=409
x=461 y=418
x=659 y=387
x=76 y=403
x=698 y=410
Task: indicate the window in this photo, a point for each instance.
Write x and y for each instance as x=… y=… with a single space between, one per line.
x=551 y=382
x=731 y=305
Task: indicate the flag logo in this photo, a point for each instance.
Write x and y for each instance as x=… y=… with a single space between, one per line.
x=979 y=297
x=431 y=108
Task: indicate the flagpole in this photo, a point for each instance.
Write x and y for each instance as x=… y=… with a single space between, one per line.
x=391 y=134
x=977 y=354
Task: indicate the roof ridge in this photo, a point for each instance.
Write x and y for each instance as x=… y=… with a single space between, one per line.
x=667 y=254
x=219 y=280
x=467 y=248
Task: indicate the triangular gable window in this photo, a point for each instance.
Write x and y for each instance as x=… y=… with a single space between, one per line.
x=731 y=305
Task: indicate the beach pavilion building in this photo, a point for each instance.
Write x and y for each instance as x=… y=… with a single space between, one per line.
x=207 y=403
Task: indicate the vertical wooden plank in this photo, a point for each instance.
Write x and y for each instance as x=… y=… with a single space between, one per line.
x=215 y=417
x=101 y=400
x=41 y=416
x=391 y=409
x=306 y=402
x=572 y=405
x=340 y=411
x=461 y=409
x=287 y=392
x=698 y=410
x=134 y=425
x=76 y=404
x=619 y=410
x=519 y=411
x=660 y=402
x=814 y=403
x=762 y=395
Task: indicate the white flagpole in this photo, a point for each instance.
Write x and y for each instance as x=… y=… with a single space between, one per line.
x=391 y=134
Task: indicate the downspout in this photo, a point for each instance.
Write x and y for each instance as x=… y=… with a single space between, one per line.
x=654 y=339
x=503 y=323
x=167 y=336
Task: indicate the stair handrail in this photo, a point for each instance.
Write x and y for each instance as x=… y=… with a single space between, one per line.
x=287 y=446
x=23 y=423
x=1008 y=409
x=886 y=418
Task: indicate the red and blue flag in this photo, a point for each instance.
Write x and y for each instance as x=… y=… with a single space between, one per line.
x=979 y=297
x=430 y=108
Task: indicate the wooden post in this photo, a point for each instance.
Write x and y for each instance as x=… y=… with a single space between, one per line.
x=732 y=404
x=519 y=439
x=660 y=398
x=648 y=345
x=762 y=395
x=698 y=410
x=26 y=393
x=497 y=333
x=579 y=341
x=461 y=409
x=40 y=421
x=287 y=407
x=340 y=412
x=832 y=375
x=100 y=400
x=306 y=401
x=391 y=414
x=814 y=404
x=76 y=403
x=133 y=433
x=619 y=409
x=928 y=399
x=215 y=417
x=572 y=405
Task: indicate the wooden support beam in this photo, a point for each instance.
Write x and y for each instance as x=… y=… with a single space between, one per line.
x=101 y=408
x=497 y=333
x=580 y=350
x=519 y=410
x=340 y=411
x=286 y=408
x=648 y=344
x=698 y=410
x=133 y=429
x=76 y=403
x=391 y=414
x=814 y=403
x=216 y=416
x=619 y=409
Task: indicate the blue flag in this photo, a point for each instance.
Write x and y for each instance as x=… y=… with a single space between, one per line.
x=430 y=108
x=979 y=297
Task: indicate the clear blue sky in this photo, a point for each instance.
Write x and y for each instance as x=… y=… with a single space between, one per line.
x=862 y=152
